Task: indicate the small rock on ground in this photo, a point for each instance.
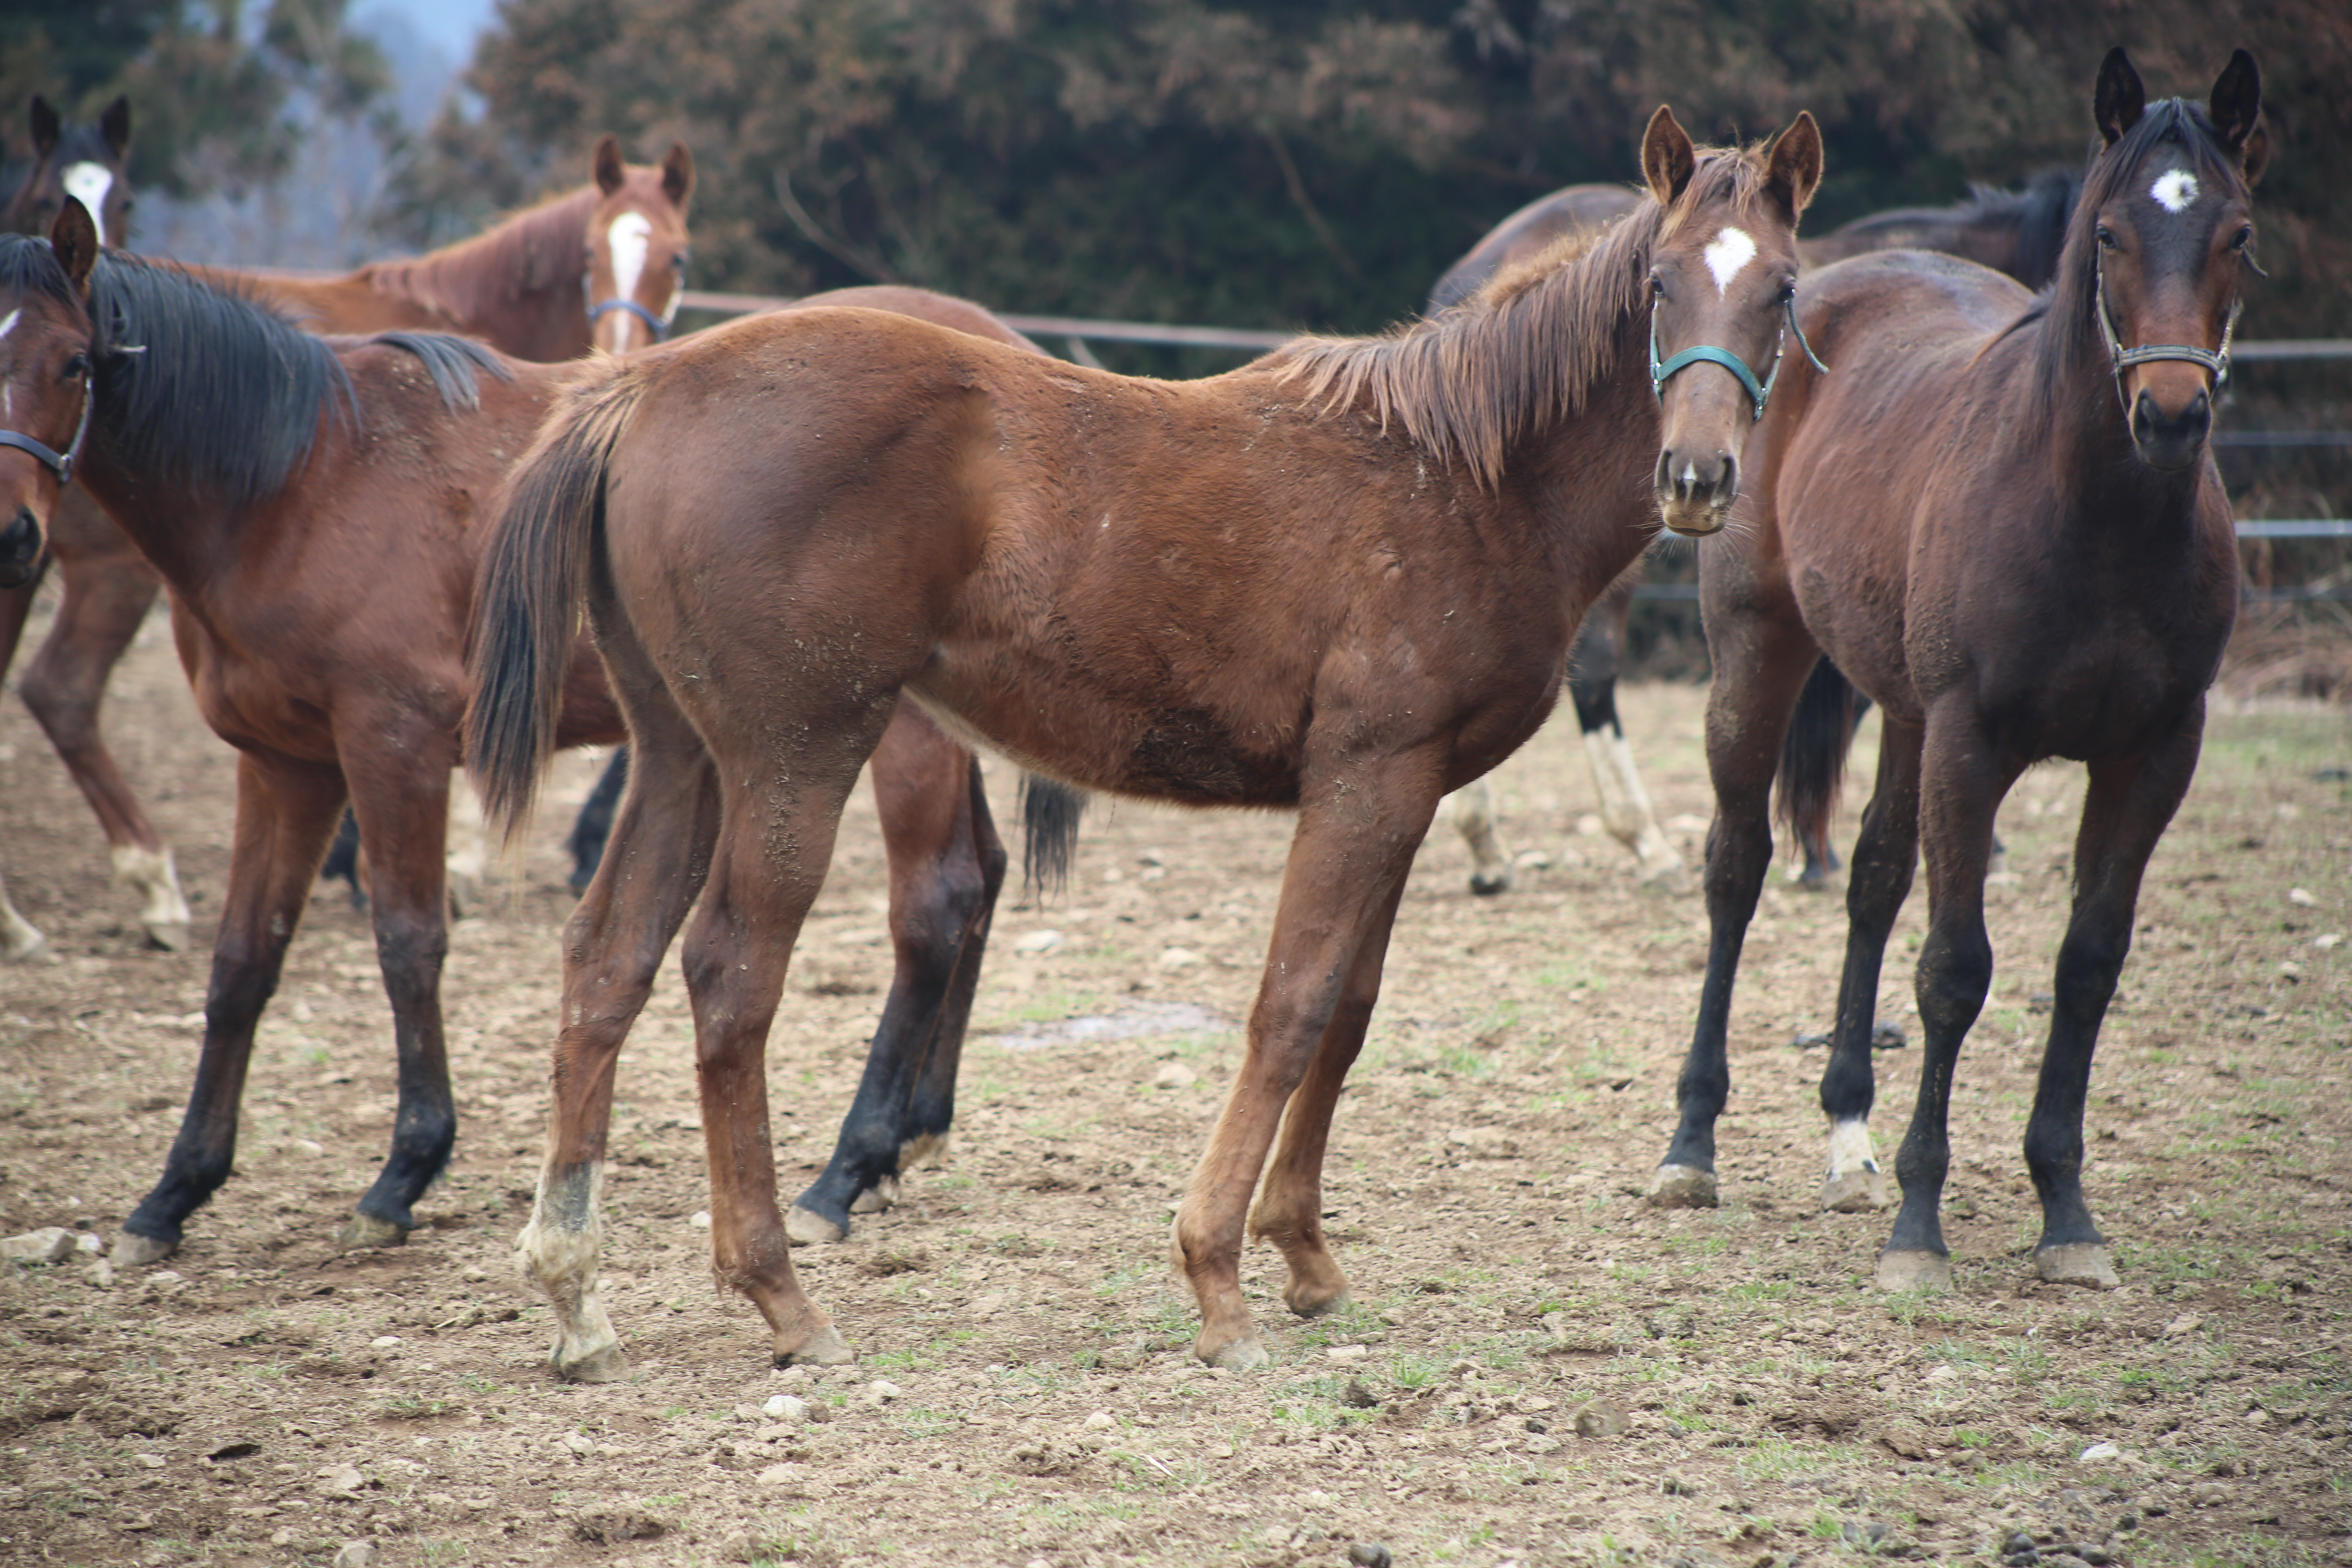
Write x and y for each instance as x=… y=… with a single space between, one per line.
x=1601 y=1419
x=356 y=1554
x=51 y=1244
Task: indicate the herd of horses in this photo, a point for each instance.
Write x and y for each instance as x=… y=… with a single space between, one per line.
x=879 y=528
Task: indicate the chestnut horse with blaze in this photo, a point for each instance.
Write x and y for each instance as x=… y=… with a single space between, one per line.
x=2001 y=519
x=598 y=267
x=1341 y=580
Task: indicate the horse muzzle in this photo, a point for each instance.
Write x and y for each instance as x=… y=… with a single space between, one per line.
x=2171 y=441
x=20 y=548
x=1695 y=492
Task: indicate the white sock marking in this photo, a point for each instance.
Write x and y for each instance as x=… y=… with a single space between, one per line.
x=2175 y=190
x=88 y=184
x=1850 y=1150
x=1726 y=254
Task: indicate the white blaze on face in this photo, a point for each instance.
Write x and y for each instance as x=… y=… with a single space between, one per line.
x=1726 y=254
x=629 y=236
x=2175 y=190
x=88 y=185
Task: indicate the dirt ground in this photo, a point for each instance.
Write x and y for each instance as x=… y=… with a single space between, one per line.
x=1023 y=1391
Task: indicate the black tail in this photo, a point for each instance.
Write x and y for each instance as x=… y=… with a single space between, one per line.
x=1812 y=759
x=1050 y=811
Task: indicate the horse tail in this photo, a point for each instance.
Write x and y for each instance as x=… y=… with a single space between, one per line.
x=530 y=586
x=1812 y=758
x=1050 y=811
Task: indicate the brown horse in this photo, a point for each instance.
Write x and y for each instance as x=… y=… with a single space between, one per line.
x=2001 y=519
x=342 y=673
x=88 y=163
x=1341 y=580
x=532 y=286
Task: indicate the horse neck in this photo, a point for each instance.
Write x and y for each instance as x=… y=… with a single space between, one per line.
x=517 y=287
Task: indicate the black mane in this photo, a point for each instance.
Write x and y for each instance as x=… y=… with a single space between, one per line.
x=2039 y=211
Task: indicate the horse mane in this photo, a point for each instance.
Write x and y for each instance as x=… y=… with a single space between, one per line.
x=455 y=364
x=1525 y=350
x=528 y=253
x=2066 y=310
x=27 y=266
x=2038 y=212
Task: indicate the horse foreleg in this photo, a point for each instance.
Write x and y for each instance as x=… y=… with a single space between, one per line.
x=1962 y=782
x=655 y=864
x=1884 y=855
x=2124 y=812
x=946 y=868
x=1471 y=809
x=284 y=811
x=1345 y=868
x=1626 y=810
x=1761 y=661
x=107 y=595
x=1289 y=1209
x=401 y=798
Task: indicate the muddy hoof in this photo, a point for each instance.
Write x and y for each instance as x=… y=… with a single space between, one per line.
x=1682 y=1187
x=168 y=936
x=883 y=1195
x=1323 y=1307
x=823 y=1347
x=1241 y=1355
x=1670 y=879
x=363 y=1231
x=1856 y=1192
x=133 y=1251
x=1914 y=1271
x=606 y=1363
x=1487 y=884
x=2080 y=1263
x=806 y=1227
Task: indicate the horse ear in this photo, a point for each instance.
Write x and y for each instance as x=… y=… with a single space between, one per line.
x=2116 y=104
x=2236 y=106
x=2256 y=156
x=115 y=125
x=1667 y=158
x=1792 y=164
x=677 y=174
x=74 y=238
x=45 y=126
x=607 y=163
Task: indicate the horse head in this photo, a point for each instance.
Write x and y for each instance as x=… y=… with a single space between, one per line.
x=1723 y=276
x=84 y=163
x=46 y=346
x=636 y=259
x=2170 y=204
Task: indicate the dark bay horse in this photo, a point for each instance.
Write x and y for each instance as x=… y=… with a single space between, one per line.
x=88 y=163
x=2016 y=232
x=342 y=674
x=2000 y=518
x=1341 y=580
x=533 y=286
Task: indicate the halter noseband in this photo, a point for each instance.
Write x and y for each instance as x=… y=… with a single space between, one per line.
x=1759 y=392
x=655 y=324
x=59 y=463
x=2121 y=359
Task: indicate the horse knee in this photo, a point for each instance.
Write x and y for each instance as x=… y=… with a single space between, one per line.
x=411 y=950
x=1954 y=975
x=2090 y=961
x=65 y=713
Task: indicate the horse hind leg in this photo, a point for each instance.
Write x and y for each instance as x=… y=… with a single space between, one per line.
x=1626 y=809
x=1471 y=809
x=2125 y=813
x=20 y=940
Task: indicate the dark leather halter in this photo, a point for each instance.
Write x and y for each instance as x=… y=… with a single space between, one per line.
x=59 y=463
x=660 y=328
x=1759 y=392
x=2121 y=359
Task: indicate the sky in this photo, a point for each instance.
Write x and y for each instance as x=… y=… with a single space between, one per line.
x=452 y=25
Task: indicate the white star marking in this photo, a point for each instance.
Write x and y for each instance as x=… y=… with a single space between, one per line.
x=1726 y=254
x=2174 y=190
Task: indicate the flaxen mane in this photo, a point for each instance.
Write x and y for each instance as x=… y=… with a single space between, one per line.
x=535 y=251
x=1526 y=348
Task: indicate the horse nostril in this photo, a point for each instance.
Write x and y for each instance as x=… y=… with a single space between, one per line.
x=1729 y=486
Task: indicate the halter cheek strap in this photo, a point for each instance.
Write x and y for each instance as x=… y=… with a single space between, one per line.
x=59 y=463
x=1759 y=392
x=655 y=324
x=2121 y=359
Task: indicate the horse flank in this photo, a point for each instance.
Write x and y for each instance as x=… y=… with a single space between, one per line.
x=1468 y=382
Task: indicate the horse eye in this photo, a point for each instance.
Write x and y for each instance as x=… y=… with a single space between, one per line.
x=2106 y=238
x=2242 y=238
x=1657 y=286
x=76 y=367
x=1787 y=292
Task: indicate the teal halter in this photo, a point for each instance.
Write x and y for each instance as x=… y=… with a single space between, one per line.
x=1759 y=391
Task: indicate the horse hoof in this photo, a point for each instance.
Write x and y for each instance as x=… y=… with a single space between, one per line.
x=1237 y=1355
x=1670 y=879
x=1310 y=1306
x=806 y=1227
x=605 y=1364
x=363 y=1231
x=923 y=1154
x=1855 y=1191
x=168 y=936
x=1487 y=884
x=881 y=1195
x=823 y=1347
x=1914 y=1271
x=1682 y=1187
x=2080 y=1263
x=134 y=1251
x=26 y=946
